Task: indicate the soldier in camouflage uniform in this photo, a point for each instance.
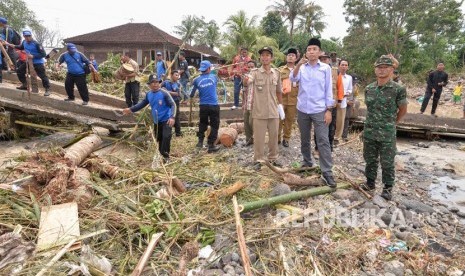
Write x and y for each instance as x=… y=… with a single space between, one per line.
x=386 y=105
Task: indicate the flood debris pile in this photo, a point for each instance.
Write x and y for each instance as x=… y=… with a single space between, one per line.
x=178 y=218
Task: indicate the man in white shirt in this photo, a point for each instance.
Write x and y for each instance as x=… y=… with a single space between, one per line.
x=342 y=102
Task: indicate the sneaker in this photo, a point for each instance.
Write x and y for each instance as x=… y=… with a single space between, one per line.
x=233 y=107
x=47 y=92
x=307 y=165
x=434 y=115
x=387 y=194
x=178 y=134
x=329 y=180
x=368 y=186
x=22 y=87
x=213 y=148
x=285 y=143
x=69 y=100
x=85 y=103
x=199 y=145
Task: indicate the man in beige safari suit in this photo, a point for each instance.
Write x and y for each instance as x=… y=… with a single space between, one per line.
x=290 y=91
x=267 y=100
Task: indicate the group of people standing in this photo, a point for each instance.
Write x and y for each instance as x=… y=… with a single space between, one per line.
x=318 y=91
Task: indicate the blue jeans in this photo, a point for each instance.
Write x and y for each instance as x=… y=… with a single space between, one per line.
x=237 y=90
x=185 y=92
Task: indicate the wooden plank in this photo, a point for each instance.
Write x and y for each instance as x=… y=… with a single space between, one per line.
x=58 y=224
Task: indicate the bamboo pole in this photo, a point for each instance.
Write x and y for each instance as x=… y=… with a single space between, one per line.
x=241 y=239
x=10 y=63
x=249 y=206
x=147 y=253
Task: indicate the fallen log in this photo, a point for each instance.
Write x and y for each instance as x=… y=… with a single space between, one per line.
x=226 y=136
x=239 y=127
x=266 y=202
x=79 y=151
x=102 y=167
x=230 y=190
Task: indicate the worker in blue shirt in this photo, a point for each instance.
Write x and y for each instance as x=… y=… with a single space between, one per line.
x=209 y=113
x=160 y=66
x=35 y=51
x=163 y=113
x=75 y=62
x=174 y=87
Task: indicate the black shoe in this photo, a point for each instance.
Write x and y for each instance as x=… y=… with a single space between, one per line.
x=249 y=142
x=69 y=100
x=307 y=165
x=276 y=164
x=387 y=194
x=213 y=148
x=22 y=87
x=329 y=180
x=178 y=134
x=279 y=142
x=85 y=103
x=285 y=143
x=368 y=186
x=199 y=145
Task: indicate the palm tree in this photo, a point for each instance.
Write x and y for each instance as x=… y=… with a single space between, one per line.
x=210 y=35
x=311 y=19
x=189 y=27
x=241 y=30
x=289 y=10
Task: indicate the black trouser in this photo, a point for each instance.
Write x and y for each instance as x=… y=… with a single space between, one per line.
x=163 y=133
x=436 y=96
x=209 y=115
x=332 y=129
x=21 y=71
x=81 y=84
x=40 y=71
x=177 y=119
x=131 y=92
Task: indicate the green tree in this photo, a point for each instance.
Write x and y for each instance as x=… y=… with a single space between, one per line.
x=241 y=30
x=289 y=9
x=272 y=25
x=311 y=19
x=210 y=35
x=19 y=15
x=189 y=28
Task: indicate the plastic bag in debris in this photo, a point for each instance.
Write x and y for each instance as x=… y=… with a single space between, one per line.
x=100 y=263
x=83 y=269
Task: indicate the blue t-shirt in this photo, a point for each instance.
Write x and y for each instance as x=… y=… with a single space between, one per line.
x=74 y=62
x=94 y=63
x=161 y=68
x=162 y=104
x=172 y=87
x=34 y=48
x=206 y=84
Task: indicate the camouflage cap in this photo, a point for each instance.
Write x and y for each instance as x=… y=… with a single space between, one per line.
x=383 y=60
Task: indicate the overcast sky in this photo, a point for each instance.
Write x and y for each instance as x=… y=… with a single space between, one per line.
x=84 y=16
